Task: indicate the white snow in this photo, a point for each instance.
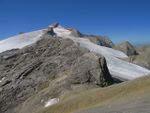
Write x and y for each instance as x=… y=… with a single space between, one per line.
x=117 y=67
x=62 y=32
x=20 y=41
x=51 y=102
x=2 y=79
x=125 y=70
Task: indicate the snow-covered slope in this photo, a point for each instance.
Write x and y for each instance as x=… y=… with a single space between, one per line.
x=117 y=67
x=20 y=41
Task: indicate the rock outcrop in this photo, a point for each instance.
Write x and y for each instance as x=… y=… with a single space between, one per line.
x=54 y=25
x=49 y=31
x=142 y=59
x=127 y=48
x=95 y=73
x=76 y=33
x=100 y=40
x=59 y=62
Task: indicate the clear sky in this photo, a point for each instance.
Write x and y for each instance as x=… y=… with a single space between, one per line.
x=119 y=19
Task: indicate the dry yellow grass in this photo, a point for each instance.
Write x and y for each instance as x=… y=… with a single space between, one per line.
x=100 y=97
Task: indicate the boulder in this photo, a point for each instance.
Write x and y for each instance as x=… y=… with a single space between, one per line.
x=93 y=70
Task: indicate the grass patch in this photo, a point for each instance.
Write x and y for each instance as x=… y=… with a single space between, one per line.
x=99 y=97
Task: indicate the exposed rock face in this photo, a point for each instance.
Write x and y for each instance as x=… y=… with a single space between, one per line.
x=96 y=73
x=142 y=59
x=76 y=33
x=100 y=40
x=49 y=31
x=127 y=48
x=56 y=24
x=25 y=72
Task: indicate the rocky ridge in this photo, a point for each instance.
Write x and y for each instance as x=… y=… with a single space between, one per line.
x=53 y=63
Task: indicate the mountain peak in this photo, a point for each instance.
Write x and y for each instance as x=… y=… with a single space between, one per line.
x=54 y=25
x=127 y=48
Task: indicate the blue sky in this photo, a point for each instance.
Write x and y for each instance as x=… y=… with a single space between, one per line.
x=119 y=19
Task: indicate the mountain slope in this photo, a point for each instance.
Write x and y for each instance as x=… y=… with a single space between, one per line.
x=47 y=69
x=143 y=58
x=64 y=69
x=127 y=97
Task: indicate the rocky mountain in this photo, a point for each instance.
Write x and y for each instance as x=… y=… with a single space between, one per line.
x=142 y=59
x=127 y=48
x=113 y=57
x=41 y=68
x=100 y=40
x=24 y=72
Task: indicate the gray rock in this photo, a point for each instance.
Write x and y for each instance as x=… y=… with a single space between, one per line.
x=54 y=25
x=93 y=70
x=100 y=40
x=76 y=33
x=127 y=48
x=50 y=32
x=49 y=61
x=142 y=59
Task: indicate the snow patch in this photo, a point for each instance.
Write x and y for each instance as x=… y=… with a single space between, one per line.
x=62 y=32
x=125 y=70
x=51 y=102
x=2 y=79
x=20 y=41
